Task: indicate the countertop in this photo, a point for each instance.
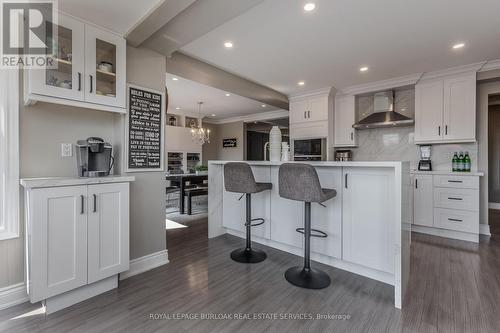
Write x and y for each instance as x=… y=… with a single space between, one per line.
x=324 y=163
x=447 y=173
x=70 y=181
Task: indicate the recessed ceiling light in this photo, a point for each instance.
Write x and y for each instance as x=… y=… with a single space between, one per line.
x=309 y=6
x=363 y=69
x=227 y=95
x=228 y=45
x=175 y=79
x=213 y=114
x=263 y=105
x=177 y=108
x=301 y=83
x=458 y=46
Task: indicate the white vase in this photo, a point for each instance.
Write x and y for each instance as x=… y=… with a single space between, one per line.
x=285 y=151
x=275 y=144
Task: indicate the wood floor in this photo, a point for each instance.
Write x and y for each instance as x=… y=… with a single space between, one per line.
x=454 y=287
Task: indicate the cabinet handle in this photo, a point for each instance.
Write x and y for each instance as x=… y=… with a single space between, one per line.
x=352 y=136
x=345 y=181
x=95 y=202
x=309 y=114
x=91 y=83
x=455 y=181
x=82 y=200
x=452 y=198
x=455 y=220
x=439 y=130
x=79 y=81
x=416 y=183
x=446 y=130
x=305 y=112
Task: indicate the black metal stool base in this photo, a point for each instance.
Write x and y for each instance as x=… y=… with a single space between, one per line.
x=309 y=279
x=248 y=256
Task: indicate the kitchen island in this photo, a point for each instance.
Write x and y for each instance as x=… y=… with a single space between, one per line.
x=368 y=223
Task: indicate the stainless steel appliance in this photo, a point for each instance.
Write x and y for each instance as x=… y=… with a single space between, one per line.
x=425 y=159
x=94 y=157
x=343 y=155
x=309 y=150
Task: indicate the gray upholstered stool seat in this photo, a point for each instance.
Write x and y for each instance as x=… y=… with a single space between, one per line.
x=239 y=178
x=300 y=182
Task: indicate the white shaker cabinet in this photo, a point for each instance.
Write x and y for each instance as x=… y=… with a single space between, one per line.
x=57 y=230
x=345 y=116
x=445 y=110
x=423 y=213
x=108 y=230
x=367 y=209
x=309 y=114
x=77 y=235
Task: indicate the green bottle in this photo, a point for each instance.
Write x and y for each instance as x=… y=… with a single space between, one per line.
x=461 y=162
x=454 y=162
x=467 y=162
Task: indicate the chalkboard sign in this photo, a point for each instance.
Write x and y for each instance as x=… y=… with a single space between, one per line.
x=144 y=129
x=230 y=143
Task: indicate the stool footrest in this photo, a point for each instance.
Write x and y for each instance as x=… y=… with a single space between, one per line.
x=255 y=224
x=319 y=233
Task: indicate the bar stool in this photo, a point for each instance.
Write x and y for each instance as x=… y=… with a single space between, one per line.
x=239 y=178
x=300 y=182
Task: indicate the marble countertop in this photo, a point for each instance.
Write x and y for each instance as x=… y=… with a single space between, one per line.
x=324 y=163
x=70 y=181
x=447 y=173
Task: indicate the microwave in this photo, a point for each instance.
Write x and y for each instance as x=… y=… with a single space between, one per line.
x=309 y=150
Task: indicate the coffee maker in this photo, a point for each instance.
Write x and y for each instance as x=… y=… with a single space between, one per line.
x=425 y=158
x=93 y=157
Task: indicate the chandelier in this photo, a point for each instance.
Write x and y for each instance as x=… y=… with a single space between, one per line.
x=199 y=134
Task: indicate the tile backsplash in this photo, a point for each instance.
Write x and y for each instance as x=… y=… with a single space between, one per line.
x=398 y=144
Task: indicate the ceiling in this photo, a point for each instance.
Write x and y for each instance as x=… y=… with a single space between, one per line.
x=185 y=94
x=277 y=43
x=116 y=15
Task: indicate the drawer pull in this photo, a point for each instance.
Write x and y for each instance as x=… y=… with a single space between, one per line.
x=455 y=220
x=458 y=199
x=455 y=181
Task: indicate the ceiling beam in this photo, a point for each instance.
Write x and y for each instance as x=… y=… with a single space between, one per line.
x=199 y=71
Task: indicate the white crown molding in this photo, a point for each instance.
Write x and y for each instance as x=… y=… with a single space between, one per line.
x=454 y=70
x=322 y=91
x=146 y=263
x=381 y=85
x=490 y=65
x=13 y=295
x=252 y=117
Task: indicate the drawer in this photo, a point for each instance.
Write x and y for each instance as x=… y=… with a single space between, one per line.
x=456 y=181
x=456 y=198
x=457 y=220
x=316 y=129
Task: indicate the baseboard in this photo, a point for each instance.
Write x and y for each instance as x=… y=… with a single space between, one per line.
x=494 y=205
x=465 y=236
x=484 y=229
x=13 y=295
x=146 y=263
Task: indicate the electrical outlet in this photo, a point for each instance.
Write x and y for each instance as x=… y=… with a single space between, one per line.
x=66 y=149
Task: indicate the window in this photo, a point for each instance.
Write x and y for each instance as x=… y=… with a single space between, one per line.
x=9 y=153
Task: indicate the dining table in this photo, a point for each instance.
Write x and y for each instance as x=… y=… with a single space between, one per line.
x=181 y=181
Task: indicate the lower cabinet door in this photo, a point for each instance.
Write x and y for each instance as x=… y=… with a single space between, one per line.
x=423 y=207
x=108 y=230
x=328 y=219
x=234 y=211
x=368 y=217
x=58 y=260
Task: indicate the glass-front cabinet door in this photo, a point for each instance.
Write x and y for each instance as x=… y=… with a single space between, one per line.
x=64 y=77
x=105 y=67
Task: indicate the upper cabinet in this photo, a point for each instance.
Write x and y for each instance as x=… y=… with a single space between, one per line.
x=90 y=71
x=445 y=110
x=345 y=117
x=309 y=115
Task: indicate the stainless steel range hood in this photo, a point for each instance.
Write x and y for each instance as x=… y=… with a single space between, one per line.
x=384 y=114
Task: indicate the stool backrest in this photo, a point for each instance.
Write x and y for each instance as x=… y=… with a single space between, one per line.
x=239 y=178
x=299 y=181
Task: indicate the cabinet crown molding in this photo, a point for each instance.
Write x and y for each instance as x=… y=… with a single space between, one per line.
x=490 y=65
x=472 y=68
x=381 y=85
x=322 y=91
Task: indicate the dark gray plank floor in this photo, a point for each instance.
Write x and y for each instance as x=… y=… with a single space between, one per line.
x=454 y=287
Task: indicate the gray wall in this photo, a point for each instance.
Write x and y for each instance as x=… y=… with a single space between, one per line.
x=210 y=150
x=43 y=127
x=494 y=154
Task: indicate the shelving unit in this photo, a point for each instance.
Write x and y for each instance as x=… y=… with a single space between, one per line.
x=175 y=162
